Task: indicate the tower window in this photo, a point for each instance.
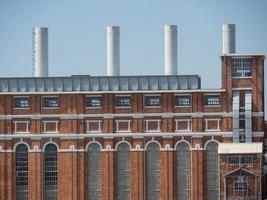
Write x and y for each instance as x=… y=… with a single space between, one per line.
x=241 y=67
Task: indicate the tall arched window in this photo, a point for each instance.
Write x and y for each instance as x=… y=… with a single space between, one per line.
x=50 y=172
x=123 y=172
x=21 y=172
x=212 y=156
x=153 y=171
x=93 y=158
x=182 y=171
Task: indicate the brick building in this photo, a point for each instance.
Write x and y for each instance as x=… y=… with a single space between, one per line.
x=134 y=137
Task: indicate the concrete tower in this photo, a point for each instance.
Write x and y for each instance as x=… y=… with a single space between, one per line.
x=40 y=51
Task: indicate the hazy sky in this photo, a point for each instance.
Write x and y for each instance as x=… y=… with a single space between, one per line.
x=77 y=34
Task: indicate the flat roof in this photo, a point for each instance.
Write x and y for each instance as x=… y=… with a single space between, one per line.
x=244 y=54
x=240 y=148
x=87 y=83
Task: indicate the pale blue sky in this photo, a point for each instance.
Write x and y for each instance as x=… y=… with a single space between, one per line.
x=77 y=34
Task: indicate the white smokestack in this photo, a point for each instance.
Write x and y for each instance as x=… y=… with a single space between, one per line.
x=170 y=49
x=40 y=51
x=113 y=50
x=228 y=38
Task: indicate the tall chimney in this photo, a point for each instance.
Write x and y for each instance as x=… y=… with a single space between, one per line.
x=113 y=50
x=40 y=51
x=170 y=49
x=228 y=38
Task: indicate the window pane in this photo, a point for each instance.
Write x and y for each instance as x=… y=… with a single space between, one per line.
x=93 y=101
x=21 y=102
x=211 y=100
x=183 y=171
x=123 y=173
x=152 y=100
x=123 y=101
x=50 y=102
x=153 y=171
x=50 y=172
x=241 y=67
x=21 y=172
x=213 y=190
x=93 y=171
x=182 y=100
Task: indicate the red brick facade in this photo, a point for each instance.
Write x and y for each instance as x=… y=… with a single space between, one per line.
x=69 y=125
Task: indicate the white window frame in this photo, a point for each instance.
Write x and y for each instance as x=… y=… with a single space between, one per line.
x=189 y=125
x=17 y=122
x=152 y=120
x=14 y=106
x=50 y=121
x=121 y=95
x=93 y=121
x=151 y=95
x=93 y=107
x=190 y=98
x=218 y=124
x=123 y=131
x=241 y=67
x=50 y=108
x=213 y=94
x=240 y=180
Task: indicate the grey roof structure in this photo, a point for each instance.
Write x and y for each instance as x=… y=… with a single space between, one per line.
x=86 y=83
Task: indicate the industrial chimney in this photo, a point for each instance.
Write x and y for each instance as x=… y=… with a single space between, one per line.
x=228 y=38
x=40 y=51
x=170 y=49
x=113 y=50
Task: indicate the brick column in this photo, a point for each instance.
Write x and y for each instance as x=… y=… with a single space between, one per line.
x=197 y=170
x=9 y=176
x=2 y=175
x=81 y=175
x=35 y=175
x=107 y=172
x=67 y=176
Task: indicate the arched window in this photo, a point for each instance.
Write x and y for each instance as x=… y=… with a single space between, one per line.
x=182 y=171
x=213 y=190
x=50 y=172
x=21 y=172
x=153 y=171
x=123 y=172
x=93 y=158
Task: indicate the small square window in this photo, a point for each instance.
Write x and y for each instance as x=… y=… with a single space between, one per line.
x=182 y=100
x=50 y=102
x=212 y=100
x=151 y=101
x=93 y=101
x=123 y=101
x=21 y=102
